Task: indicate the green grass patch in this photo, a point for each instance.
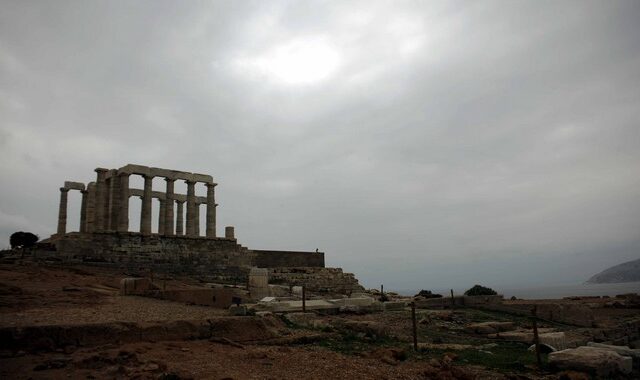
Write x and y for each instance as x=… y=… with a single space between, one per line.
x=504 y=357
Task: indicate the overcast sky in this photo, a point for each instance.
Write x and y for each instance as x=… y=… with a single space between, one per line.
x=420 y=144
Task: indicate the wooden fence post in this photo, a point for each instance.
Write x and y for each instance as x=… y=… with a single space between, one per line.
x=415 y=326
x=536 y=340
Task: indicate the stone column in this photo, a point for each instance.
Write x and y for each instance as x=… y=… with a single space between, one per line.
x=123 y=214
x=83 y=211
x=168 y=221
x=162 y=216
x=196 y=217
x=62 y=211
x=91 y=206
x=180 y=218
x=101 y=195
x=107 y=204
x=191 y=206
x=211 y=210
x=114 y=204
x=145 y=210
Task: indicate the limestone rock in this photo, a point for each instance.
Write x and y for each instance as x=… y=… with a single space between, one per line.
x=600 y=361
x=621 y=350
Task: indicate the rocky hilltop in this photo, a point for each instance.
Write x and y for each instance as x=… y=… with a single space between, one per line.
x=625 y=272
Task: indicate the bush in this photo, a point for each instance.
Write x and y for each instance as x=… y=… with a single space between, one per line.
x=428 y=294
x=22 y=239
x=479 y=290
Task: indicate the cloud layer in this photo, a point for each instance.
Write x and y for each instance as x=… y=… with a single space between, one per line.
x=420 y=144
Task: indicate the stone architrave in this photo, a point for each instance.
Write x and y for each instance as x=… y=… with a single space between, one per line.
x=162 y=215
x=83 y=211
x=191 y=208
x=211 y=210
x=62 y=211
x=145 y=210
x=101 y=195
x=168 y=220
x=180 y=218
x=123 y=214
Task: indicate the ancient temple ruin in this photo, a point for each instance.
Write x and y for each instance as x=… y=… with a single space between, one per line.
x=105 y=202
x=104 y=237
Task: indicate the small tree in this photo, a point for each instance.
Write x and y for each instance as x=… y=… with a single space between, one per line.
x=479 y=290
x=428 y=294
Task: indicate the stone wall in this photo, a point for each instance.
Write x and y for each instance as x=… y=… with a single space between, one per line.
x=276 y=259
x=217 y=259
x=320 y=280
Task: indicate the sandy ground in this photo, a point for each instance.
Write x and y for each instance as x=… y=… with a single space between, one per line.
x=45 y=296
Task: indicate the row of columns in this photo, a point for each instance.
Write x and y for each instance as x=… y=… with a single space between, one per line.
x=105 y=207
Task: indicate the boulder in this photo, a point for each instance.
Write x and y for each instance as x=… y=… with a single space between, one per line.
x=601 y=362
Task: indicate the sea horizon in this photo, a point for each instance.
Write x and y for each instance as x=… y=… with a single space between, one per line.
x=549 y=291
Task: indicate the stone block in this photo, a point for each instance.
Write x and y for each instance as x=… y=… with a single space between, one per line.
x=362 y=301
x=621 y=350
x=601 y=362
x=135 y=286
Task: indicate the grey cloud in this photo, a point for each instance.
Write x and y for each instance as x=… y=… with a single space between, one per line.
x=454 y=143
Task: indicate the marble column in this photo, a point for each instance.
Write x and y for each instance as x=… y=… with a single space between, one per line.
x=114 y=204
x=180 y=218
x=145 y=210
x=101 y=196
x=106 y=213
x=162 y=216
x=83 y=211
x=191 y=208
x=91 y=206
x=168 y=220
x=123 y=214
x=211 y=210
x=196 y=217
x=62 y=211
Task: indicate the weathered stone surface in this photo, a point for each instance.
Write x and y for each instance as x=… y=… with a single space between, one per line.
x=361 y=301
x=135 y=286
x=601 y=362
x=320 y=280
x=621 y=350
x=258 y=283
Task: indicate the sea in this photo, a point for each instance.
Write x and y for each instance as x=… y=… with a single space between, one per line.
x=551 y=292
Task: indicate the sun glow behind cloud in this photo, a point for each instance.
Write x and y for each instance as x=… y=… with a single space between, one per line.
x=302 y=61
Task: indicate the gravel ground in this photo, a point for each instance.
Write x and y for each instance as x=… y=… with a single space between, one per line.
x=121 y=309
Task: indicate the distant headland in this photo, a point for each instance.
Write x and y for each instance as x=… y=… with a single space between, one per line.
x=625 y=272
